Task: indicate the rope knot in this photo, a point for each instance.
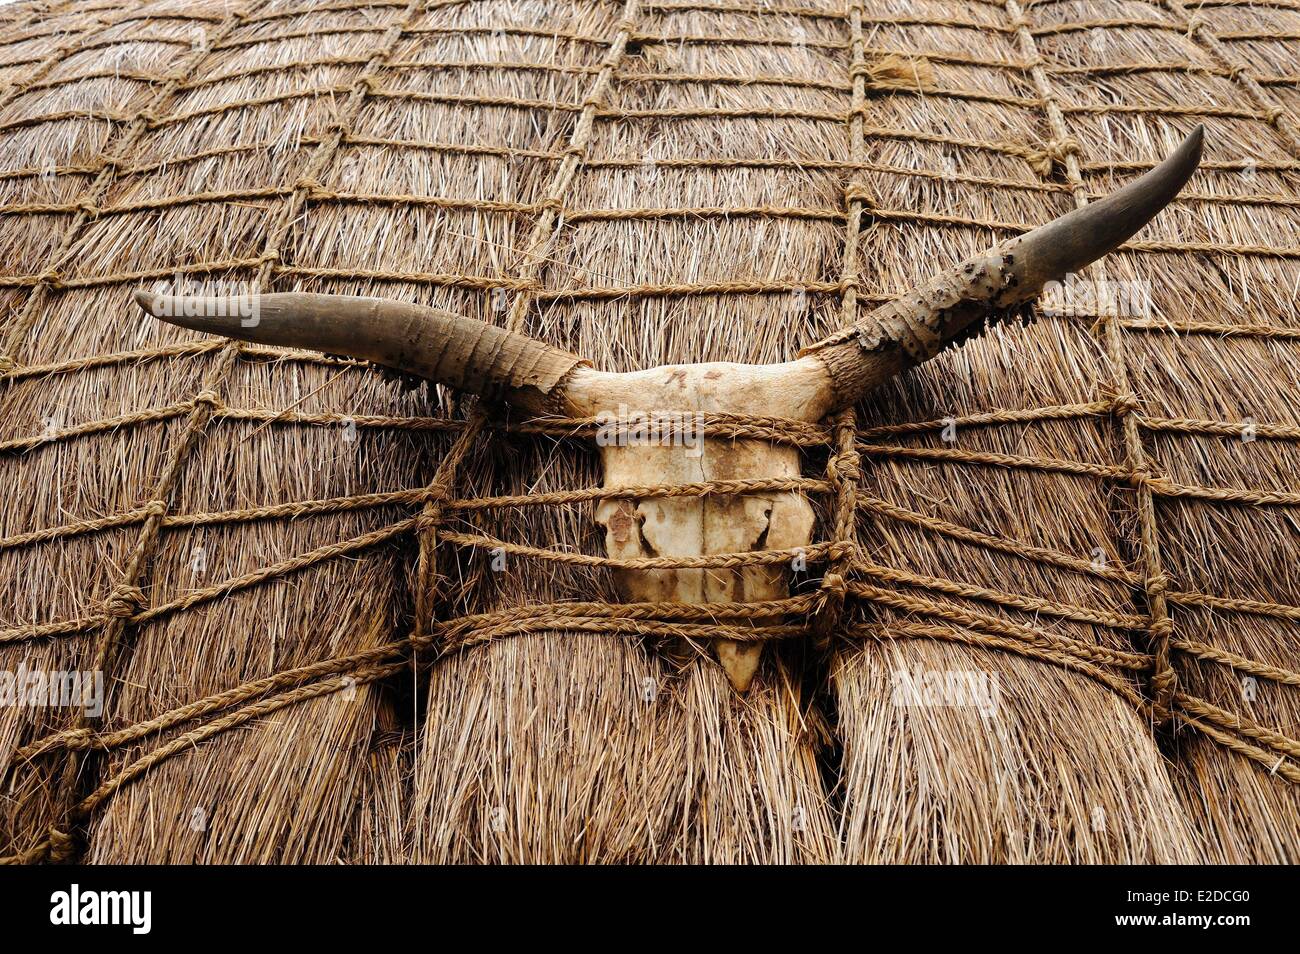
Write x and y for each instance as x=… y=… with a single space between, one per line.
x=1054 y=153
x=1136 y=477
x=1274 y=114
x=81 y=738
x=209 y=397
x=1157 y=585
x=436 y=493
x=7 y=364
x=830 y=608
x=1126 y=403
x=834 y=585
x=1197 y=22
x=858 y=193
x=124 y=601
x=155 y=508
x=840 y=549
x=845 y=467
x=1164 y=683
x=62 y=846
x=430 y=516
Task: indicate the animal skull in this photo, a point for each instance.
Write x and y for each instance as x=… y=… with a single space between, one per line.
x=536 y=378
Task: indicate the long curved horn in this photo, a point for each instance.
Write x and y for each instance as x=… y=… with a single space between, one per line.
x=960 y=302
x=462 y=353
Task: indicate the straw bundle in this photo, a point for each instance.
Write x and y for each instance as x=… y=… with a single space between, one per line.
x=747 y=176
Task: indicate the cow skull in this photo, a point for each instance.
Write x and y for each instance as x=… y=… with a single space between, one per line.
x=536 y=378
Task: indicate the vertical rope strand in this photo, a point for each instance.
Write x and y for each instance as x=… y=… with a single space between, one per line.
x=843 y=465
x=543 y=233
x=1155 y=582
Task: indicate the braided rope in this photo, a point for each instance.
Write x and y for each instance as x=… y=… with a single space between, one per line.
x=1155 y=582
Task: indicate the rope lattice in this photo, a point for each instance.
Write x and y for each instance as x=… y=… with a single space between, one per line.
x=127 y=595
x=850 y=583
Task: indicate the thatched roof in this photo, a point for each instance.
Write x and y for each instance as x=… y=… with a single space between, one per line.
x=242 y=538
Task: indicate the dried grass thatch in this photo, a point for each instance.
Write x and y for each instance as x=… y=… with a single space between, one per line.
x=334 y=147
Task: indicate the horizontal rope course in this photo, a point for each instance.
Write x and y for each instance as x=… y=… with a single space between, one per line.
x=378 y=91
x=1244 y=35
x=1277 y=4
x=801 y=164
x=322 y=195
x=1276 y=764
x=172 y=40
x=456 y=280
x=597 y=293
x=655 y=39
x=1221 y=329
x=184 y=349
x=999 y=544
x=1269 y=738
x=779 y=10
x=1066 y=660
x=1240 y=663
x=958 y=455
x=938 y=56
x=127 y=605
x=996 y=625
x=720 y=78
x=1014 y=601
x=880 y=85
x=1190 y=425
x=775 y=430
x=296 y=509
x=877 y=85
x=716 y=561
x=632 y=619
x=1011 y=149
x=92 y=45
x=1160 y=486
x=794 y=433
x=450 y=633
